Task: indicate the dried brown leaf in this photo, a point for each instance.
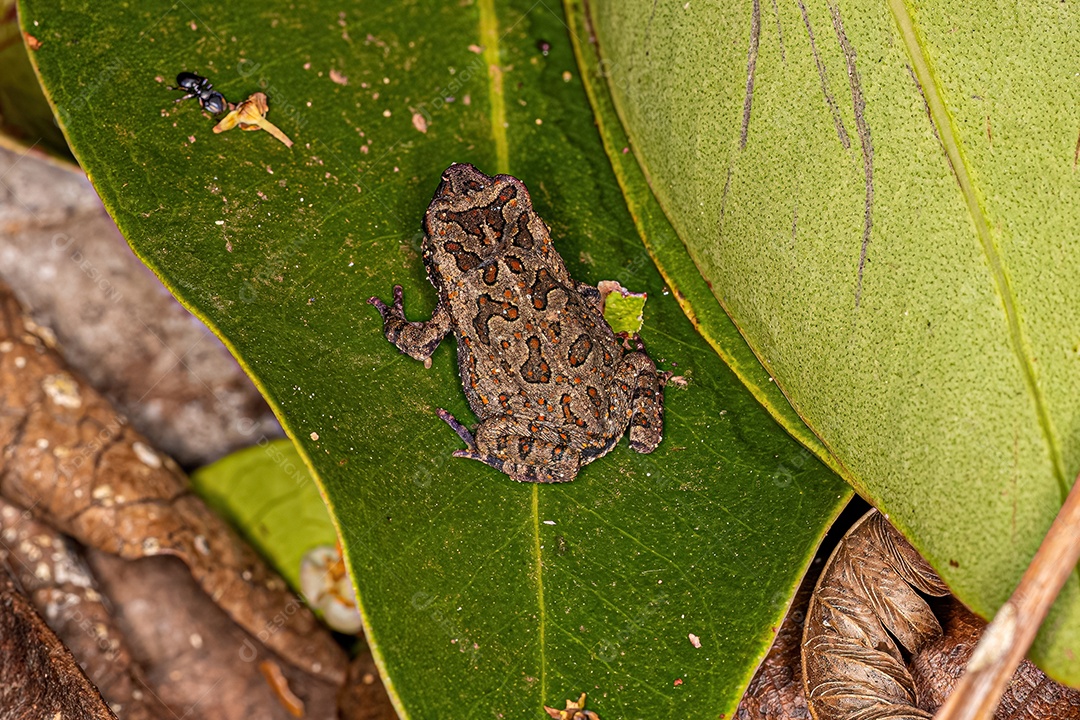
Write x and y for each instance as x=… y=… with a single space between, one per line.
x=937 y=668
x=74 y=462
x=777 y=691
x=199 y=662
x=54 y=576
x=119 y=328
x=864 y=598
x=39 y=678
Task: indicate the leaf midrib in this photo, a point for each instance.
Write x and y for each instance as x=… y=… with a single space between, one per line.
x=489 y=41
x=947 y=132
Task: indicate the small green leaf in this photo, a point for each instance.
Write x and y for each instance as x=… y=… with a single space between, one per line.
x=267 y=492
x=623 y=309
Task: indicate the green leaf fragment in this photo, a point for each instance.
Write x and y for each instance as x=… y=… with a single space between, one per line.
x=622 y=308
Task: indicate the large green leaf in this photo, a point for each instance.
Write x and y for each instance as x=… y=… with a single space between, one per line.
x=691 y=291
x=480 y=595
x=884 y=198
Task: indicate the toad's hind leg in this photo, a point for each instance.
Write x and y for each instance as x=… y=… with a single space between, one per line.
x=639 y=390
x=416 y=339
x=524 y=452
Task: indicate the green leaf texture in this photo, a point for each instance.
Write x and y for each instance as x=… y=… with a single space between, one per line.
x=481 y=597
x=884 y=197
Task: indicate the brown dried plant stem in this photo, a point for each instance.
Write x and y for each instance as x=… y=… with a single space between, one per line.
x=1009 y=636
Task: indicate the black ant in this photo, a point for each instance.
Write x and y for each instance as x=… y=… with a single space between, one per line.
x=199 y=87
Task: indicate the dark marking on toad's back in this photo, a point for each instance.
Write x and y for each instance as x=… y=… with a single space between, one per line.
x=552 y=385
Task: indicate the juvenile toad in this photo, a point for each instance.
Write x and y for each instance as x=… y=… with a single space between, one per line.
x=542 y=370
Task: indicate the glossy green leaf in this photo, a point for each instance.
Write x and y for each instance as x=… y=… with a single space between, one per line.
x=481 y=596
x=691 y=290
x=884 y=197
x=267 y=493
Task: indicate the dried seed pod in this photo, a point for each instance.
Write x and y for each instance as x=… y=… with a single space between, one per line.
x=866 y=596
x=777 y=691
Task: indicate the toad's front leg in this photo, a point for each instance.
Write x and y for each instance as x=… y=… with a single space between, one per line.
x=415 y=339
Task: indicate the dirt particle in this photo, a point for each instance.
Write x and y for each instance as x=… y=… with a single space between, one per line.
x=147 y=456
x=62 y=390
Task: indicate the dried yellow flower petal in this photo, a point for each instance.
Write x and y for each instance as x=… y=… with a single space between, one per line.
x=251 y=115
x=575 y=710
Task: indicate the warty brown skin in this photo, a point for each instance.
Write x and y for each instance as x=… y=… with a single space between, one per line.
x=552 y=385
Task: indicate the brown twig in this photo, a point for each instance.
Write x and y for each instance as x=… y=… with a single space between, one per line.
x=1009 y=636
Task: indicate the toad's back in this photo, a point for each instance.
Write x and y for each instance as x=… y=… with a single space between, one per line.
x=532 y=343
